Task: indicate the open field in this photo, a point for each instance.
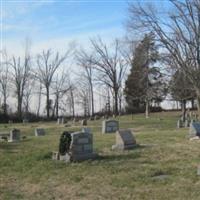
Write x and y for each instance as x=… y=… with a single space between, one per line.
x=28 y=173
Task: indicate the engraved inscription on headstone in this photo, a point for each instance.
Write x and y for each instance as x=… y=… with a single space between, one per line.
x=39 y=132
x=124 y=140
x=14 y=135
x=110 y=126
x=194 y=129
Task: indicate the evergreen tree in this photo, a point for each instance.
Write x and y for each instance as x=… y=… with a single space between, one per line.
x=145 y=81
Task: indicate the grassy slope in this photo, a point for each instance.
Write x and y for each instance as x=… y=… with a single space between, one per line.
x=27 y=171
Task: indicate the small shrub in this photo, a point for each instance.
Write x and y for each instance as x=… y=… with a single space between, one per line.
x=64 y=144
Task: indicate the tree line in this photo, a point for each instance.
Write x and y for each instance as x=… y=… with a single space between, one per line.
x=164 y=61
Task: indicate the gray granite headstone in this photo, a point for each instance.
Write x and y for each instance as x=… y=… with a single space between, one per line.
x=86 y=130
x=124 y=140
x=179 y=123
x=81 y=147
x=14 y=135
x=110 y=126
x=39 y=132
x=194 y=129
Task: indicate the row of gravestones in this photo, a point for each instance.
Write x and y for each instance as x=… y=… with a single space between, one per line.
x=80 y=144
x=186 y=122
x=15 y=135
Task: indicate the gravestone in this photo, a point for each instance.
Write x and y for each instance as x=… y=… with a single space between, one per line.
x=110 y=126
x=81 y=147
x=96 y=117
x=75 y=120
x=59 y=120
x=125 y=140
x=86 y=130
x=10 y=121
x=179 y=123
x=63 y=120
x=84 y=122
x=187 y=123
x=25 y=121
x=194 y=129
x=39 y=132
x=14 y=135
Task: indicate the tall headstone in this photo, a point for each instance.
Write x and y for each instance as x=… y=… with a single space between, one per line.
x=84 y=122
x=39 y=132
x=14 y=135
x=59 y=120
x=194 y=129
x=110 y=126
x=81 y=147
x=179 y=123
x=125 y=140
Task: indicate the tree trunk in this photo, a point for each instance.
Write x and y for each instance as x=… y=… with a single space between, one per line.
x=5 y=105
x=192 y=104
x=147 y=109
x=72 y=102
x=198 y=103
x=57 y=105
x=19 y=107
x=92 y=100
x=47 y=102
x=116 y=102
x=183 y=105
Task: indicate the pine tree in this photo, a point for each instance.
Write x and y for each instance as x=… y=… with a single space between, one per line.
x=145 y=81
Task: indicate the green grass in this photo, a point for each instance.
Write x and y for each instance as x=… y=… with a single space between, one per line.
x=27 y=171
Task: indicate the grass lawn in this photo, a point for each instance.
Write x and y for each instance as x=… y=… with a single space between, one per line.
x=163 y=167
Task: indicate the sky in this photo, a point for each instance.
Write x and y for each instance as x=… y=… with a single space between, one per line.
x=53 y=24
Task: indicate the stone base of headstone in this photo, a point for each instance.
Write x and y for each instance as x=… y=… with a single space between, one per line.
x=83 y=157
x=57 y=156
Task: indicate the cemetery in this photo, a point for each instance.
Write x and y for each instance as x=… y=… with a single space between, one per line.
x=100 y=100
x=143 y=155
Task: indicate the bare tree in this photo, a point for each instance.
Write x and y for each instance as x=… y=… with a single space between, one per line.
x=178 y=33
x=4 y=81
x=20 y=73
x=47 y=65
x=60 y=88
x=110 y=66
x=88 y=74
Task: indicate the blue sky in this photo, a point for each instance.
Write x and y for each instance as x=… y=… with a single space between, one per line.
x=53 y=24
x=50 y=21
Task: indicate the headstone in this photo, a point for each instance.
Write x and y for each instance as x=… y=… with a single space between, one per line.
x=39 y=132
x=125 y=140
x=14 y=135
x=10 y=121
x=81 y=147
x=187 y=123
x=194 y=129
x=84 y=122
x=91 y=119
x=59 y=120
x=179 y=123
x=75 y=120
x=86 y=130
x=110 y=126
x=96 y=117
x=25 y=121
